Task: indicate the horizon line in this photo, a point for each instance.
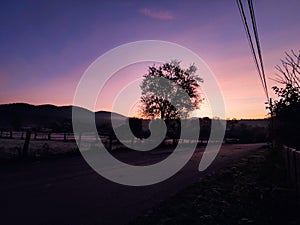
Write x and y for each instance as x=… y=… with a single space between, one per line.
x=103 y=110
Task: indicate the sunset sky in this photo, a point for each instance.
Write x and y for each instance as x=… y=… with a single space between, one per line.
x=45 y=46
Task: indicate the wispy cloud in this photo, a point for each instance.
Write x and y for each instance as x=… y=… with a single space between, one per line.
x=157 y=14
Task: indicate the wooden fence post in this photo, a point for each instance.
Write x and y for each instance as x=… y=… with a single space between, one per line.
x=79 y=138
x=110 y=143
x=294 y=154
x=26 y=144
x=298 y=171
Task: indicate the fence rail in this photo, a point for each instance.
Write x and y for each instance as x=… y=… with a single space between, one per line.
x=32 y=136
x=69 y=136
x=107 y=138
x=55 y=136
x=292 y=161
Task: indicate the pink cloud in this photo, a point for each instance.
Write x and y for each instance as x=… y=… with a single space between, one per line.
x=157 y=14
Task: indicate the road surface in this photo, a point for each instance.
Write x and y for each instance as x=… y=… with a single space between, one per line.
x=67 y=191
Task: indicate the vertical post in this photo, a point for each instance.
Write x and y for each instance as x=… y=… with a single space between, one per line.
x=295 y=168
x=175 y=141
x=65 y=136
x=298 y=171
x=26 y=144
x=79 y=138
x=10 y=134
x=49 y=136
x=110 y=142
x=272 y=133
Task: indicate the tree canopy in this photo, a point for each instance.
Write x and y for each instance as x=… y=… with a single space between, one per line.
x=289 y=77
x=286 y=109
x=169 y=91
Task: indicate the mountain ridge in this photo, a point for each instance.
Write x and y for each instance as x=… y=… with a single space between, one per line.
x=18 y=115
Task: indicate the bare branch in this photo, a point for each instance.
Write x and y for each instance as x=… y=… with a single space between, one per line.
x=289 y=70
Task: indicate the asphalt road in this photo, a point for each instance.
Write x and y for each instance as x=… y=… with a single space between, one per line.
x=67 y=191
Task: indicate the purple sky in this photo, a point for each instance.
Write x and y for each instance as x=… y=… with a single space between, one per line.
x=45 y=46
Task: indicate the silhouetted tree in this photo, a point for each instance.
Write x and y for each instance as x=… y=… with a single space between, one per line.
x=286 y=110
x=289 y=95
x=16 y=121
x=289 y=98
x=205 y=128
x=136 y=126
x=289 y=70
x=156 y=93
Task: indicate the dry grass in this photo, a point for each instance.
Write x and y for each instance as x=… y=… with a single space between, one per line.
x=12 y=148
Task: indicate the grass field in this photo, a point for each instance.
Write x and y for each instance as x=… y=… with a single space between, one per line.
x=11 y=148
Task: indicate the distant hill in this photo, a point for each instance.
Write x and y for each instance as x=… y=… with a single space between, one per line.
x=254 y=122
x=22 y=115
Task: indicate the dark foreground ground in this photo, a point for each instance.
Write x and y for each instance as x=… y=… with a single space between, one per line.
x=253 y=191
x=66 y=191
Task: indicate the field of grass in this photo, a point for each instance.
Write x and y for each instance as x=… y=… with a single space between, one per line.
x=11 y=148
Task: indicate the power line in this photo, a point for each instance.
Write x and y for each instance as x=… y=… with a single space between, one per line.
x=258 y=46
x=244 y=19
x=259 y=66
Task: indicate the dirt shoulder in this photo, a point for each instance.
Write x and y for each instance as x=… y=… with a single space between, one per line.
x=253 y=191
